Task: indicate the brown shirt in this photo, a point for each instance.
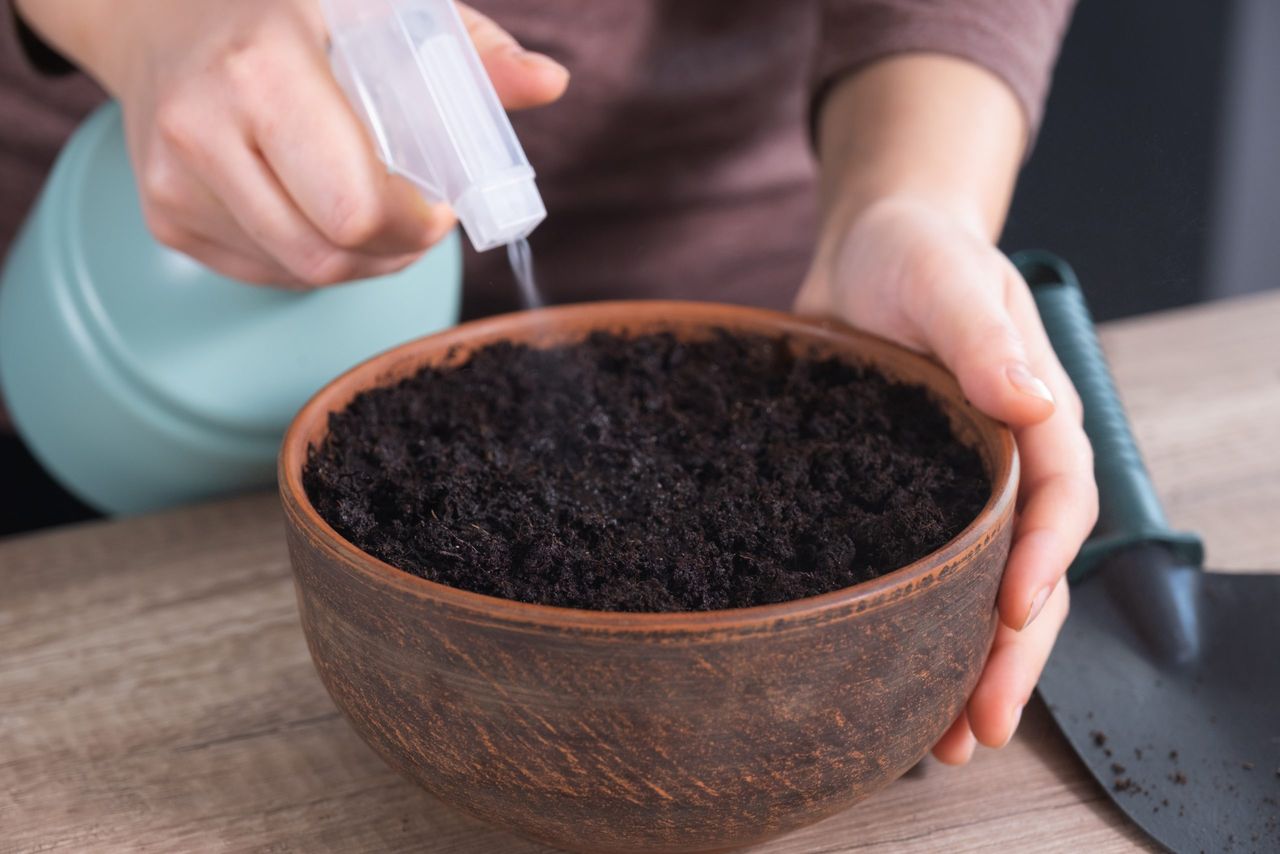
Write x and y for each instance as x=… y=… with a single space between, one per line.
x=679 y=163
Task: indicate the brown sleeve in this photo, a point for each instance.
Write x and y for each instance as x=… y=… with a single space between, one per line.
x=1017 y=40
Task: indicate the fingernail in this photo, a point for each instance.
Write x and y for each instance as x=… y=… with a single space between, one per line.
x=1023 y=380
x=1017 y=719
x=1037 y=605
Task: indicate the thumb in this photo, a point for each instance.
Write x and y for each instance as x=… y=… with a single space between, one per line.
x=975 y=337
x=522 y=78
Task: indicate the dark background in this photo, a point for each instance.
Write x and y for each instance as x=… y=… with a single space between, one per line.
x=1157 y=170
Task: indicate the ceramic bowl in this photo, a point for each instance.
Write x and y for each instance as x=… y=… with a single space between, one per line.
x=612 y=732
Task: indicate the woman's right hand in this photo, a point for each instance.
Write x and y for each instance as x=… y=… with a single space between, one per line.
x=248 y=156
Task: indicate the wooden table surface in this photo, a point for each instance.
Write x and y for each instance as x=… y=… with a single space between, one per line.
x=155 y=690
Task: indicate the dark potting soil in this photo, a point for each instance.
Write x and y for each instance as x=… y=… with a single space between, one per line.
x=646 y=474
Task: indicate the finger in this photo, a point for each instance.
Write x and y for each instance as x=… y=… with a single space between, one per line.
x=257 y=269
x=521 y=78
x=972 y=332
x=214 y=142
x=1060 y=509
x=323 y=157
x=234 y=265
x=183 y=214
x=1012 y=670
x=262 y=209
x=187 y=216
x=202 y=228
x=383 y=265
x=215 y=224
x=1058 y=495
x=957 y=744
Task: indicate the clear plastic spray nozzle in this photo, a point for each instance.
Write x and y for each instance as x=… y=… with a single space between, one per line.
x=411 y=72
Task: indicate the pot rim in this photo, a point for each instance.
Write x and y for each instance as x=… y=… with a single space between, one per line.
x=406 y=358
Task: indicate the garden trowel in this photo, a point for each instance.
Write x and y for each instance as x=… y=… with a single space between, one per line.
x=1166 y=676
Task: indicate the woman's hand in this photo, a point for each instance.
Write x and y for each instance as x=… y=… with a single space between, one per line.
x=919 y=154
x=909 y=270
x=248 y=156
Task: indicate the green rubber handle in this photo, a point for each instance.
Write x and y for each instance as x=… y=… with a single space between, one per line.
x=1129 y=509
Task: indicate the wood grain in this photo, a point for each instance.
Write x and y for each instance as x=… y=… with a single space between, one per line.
x=156 y=694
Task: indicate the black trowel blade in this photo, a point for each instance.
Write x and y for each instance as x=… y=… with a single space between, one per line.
x=1185 y=735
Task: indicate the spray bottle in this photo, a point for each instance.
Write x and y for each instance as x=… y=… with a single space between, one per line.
x=413 y=75
x=140 y=379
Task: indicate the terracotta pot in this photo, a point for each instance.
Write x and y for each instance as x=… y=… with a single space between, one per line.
x=606 y=732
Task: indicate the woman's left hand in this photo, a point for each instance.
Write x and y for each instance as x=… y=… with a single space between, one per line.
x=910 y=271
